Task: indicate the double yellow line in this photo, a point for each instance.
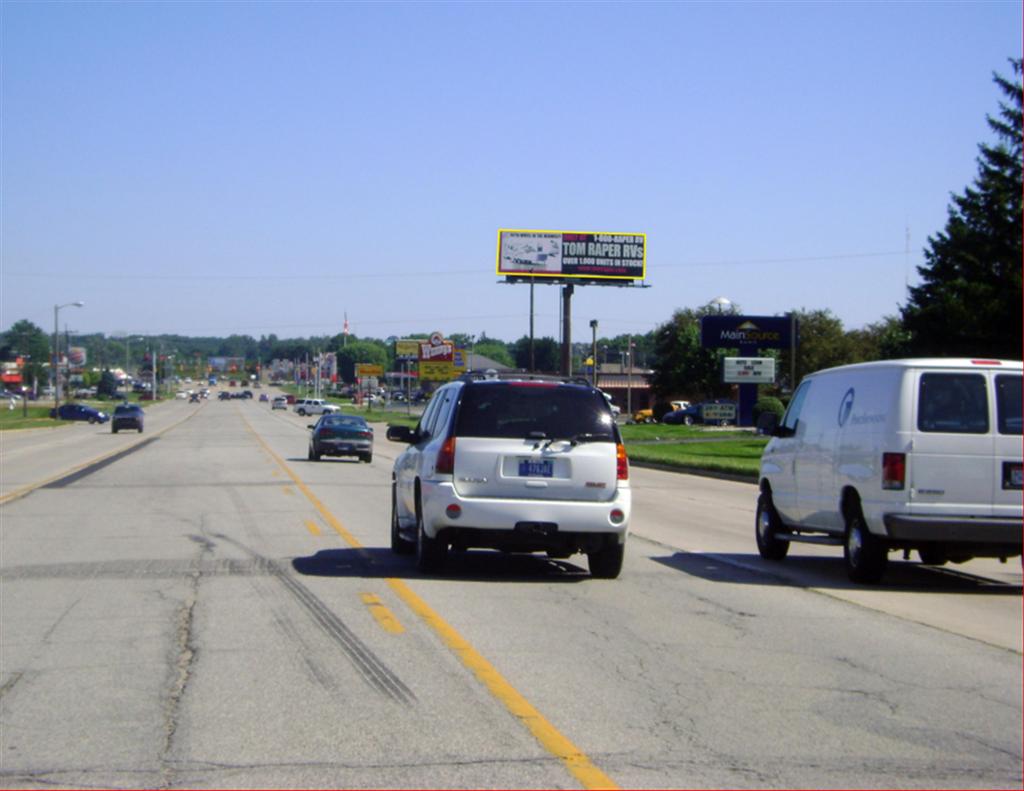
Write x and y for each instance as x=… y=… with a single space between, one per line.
x=518 y=706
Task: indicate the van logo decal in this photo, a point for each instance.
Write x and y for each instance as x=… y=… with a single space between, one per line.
x=846 y=407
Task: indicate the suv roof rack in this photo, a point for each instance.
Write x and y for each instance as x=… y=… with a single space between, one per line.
x=491 y=374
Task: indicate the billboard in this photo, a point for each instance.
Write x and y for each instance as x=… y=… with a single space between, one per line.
x=77 y=356
x=572 y=254
x=749 y=370
x=407 y=349
x=765 y=332
x=225 y=364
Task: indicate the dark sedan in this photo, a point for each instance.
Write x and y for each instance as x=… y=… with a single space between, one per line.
x=128 y=416
x=341 y=435
x=79 y=412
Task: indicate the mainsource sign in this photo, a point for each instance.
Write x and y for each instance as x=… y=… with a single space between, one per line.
x=763 y=332
x=572 y=254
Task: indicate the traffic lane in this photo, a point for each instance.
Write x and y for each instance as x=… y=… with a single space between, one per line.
x=669 y=679
x=157 y=628
x=709 y=522
x=33 y=457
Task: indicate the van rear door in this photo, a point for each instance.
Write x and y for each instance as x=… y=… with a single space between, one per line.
x=1007 y=470
x=952 y=469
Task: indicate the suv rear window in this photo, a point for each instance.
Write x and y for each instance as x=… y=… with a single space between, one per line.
x=522 y=410
x=1008 y=403
x=953 y=404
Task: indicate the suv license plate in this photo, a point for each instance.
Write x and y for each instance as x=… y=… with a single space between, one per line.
x=534 y=468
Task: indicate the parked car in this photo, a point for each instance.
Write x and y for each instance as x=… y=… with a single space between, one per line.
x=279 y=402
x=525 y=465
x=314 y=406
x=79 y=412
x=335 y=434
x=127 y=416
x=720 y=412
x=918 y=455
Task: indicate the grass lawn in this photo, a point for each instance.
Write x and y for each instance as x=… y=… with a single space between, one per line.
x=733 y=456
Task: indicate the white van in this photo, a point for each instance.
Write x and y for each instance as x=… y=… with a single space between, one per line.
x=899 y=454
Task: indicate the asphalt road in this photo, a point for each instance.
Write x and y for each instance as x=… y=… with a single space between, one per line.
x=202 y=607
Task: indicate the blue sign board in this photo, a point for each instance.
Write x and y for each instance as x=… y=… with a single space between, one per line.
x=761 y=332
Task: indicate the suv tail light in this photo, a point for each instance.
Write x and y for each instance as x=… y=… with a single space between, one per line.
x=894 y=470
x=621 y=463
x=446 y=457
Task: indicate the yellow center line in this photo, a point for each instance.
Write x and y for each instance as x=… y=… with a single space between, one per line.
x=313 y=527
x=546 y=734
x=386 y=619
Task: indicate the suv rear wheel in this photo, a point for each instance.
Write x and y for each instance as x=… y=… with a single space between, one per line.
x=606 y=563
x=430 y=552
x=399 y=545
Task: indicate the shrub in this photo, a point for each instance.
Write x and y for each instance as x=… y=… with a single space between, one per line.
x=768 y=404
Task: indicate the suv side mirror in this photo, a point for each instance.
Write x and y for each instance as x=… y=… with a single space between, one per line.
x=401 y=434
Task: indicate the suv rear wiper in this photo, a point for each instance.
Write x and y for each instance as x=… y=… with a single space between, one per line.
x=583 y=436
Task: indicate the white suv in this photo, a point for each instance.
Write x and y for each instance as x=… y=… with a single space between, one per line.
x=314 y=406
x=521 y=465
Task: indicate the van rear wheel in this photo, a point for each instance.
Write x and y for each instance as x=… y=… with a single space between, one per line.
x=865 y=555
x=767 y=527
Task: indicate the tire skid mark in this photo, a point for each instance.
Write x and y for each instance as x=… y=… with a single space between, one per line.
x=369 y=666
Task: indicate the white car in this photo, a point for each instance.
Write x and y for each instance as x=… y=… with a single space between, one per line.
x=279 y=402
x=523 y=465
x=897 y=455
x=314 y=406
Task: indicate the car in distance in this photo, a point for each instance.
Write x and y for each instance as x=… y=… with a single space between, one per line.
x=279 y=402
x=314 y=406
x=127 y=416
x=525 y=464
x=79 y=412
x=904 y=455
x=335 y=434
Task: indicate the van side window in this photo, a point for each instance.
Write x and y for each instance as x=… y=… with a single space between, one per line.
x=953 y=404
x=1008 y=404
x=789 y=420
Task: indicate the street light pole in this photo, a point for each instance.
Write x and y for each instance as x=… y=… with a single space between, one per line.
x=56 y=353
x=593 y=354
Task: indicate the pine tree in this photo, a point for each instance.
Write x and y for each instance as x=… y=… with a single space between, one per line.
x=969 y=303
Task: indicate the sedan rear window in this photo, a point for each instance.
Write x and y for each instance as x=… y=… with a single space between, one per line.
x=520 y=411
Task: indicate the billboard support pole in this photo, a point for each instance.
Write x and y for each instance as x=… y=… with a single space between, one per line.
x=567 y=290
x=532 y=365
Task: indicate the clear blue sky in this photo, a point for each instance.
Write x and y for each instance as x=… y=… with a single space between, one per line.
x=254 y=168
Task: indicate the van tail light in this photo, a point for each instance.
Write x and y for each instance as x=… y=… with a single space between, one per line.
x=446 y=457
x=621 y=463
x=894 y=470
